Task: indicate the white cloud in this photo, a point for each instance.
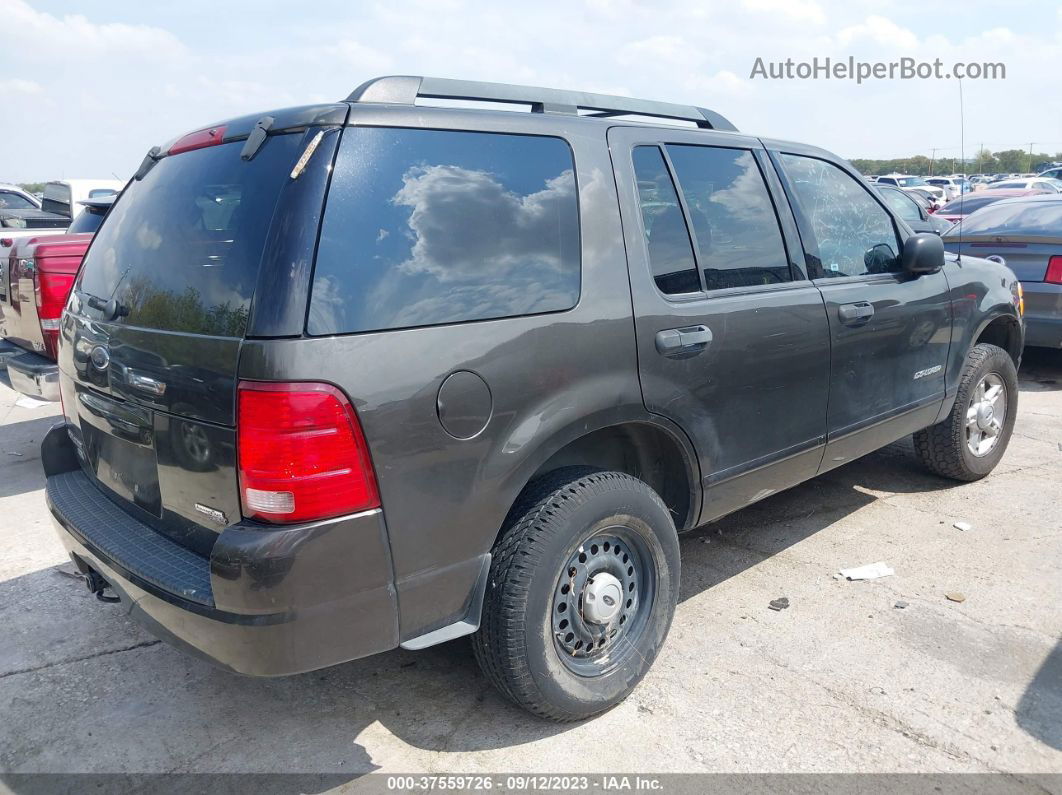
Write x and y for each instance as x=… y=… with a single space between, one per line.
x=17 y=85
x=792 y=10
x=672 y=50
x=154 y=76
x=41 y=36
x=880 y=31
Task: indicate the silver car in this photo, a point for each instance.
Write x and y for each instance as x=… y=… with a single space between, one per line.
x=1026 y=232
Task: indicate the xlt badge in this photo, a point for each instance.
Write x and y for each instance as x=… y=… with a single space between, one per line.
x=212 y=513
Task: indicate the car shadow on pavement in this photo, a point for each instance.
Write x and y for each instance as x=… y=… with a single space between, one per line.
x=88 y=688
x=716 y=552
x=1041 y=370
x=1039 y=711
x=20 y=449
x=85 y=689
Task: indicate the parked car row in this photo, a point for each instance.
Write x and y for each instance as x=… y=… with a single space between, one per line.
x=38 y=263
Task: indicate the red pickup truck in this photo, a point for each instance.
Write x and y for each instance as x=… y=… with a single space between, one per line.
x=34 y=285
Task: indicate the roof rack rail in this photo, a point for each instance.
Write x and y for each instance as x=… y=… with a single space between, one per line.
x=406 y=89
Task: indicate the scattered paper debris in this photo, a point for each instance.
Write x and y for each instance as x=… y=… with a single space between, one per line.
x=964 y=526
x=779 y=604
x=901 y=605
x=954 y=596
x=871 y=571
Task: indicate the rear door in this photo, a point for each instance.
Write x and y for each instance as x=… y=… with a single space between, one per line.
x=152 y=337
x=733 y=343
x=890 y=332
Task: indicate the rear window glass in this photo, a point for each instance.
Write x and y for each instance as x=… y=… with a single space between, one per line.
x=180 y=250
x=968 y=204
x=424 y=227
x=88 y=220
x=1006 y=218
x=9 y=200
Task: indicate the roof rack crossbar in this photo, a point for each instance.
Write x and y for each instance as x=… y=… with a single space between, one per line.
x=406 y=89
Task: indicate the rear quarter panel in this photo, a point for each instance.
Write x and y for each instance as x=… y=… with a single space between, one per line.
x=552 y=378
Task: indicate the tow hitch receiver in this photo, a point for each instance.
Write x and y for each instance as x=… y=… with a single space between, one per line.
x=97 y=585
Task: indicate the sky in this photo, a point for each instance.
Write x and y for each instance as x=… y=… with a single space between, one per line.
x=87 y=88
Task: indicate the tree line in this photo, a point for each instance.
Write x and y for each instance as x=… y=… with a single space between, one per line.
x=1008 y=161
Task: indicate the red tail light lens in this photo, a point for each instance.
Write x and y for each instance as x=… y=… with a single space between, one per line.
x=51 y=294
x=302 y=454
x=1054 y=270
x=199 y=139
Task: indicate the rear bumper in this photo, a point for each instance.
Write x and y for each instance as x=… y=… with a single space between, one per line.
x=1043 y=314
x=267 y=602
x=34 y=375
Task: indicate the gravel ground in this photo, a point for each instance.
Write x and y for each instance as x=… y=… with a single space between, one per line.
x=843 y=680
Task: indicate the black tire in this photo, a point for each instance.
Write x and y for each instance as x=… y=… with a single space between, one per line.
x=943 y=447
x=554 y=517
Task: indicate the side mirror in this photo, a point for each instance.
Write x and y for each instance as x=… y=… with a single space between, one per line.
x=922 y=253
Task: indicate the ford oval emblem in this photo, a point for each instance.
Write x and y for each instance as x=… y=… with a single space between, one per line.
x=100 y=357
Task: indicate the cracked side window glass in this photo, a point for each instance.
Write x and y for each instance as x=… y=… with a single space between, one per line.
x=854 y=234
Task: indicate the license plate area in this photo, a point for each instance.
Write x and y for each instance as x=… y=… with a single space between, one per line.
x=118 y=443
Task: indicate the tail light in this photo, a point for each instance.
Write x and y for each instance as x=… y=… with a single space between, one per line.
x=302 y=454
x=51 y=291
x=1054 y=270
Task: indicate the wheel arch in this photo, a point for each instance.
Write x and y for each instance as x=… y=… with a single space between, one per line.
x=647 y=447
x=1003 y=331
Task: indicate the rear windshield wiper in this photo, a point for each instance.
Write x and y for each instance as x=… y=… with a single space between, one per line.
x=256 y=138
x=110 y=307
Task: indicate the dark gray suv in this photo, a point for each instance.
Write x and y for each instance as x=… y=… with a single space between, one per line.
x=348 y=377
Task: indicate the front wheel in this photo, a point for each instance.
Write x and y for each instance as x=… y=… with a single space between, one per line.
x=969 y=443
x=583 y=585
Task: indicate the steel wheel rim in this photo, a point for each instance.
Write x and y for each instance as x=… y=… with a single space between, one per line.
x=588 y=640
x=986 y=415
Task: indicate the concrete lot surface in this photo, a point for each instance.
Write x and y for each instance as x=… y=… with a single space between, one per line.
x=842 y=680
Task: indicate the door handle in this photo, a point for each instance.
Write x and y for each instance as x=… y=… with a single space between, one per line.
x=685 y=341
x=855 y=314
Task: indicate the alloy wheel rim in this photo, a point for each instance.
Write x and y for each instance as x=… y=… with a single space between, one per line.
x=601 y=601
x=986 y=415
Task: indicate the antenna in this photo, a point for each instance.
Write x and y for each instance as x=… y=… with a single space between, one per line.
x=962 y=154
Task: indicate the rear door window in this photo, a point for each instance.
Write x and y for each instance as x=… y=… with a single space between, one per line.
x=426 y=227
x=667 y=239
x=180 y=250
x=738 y=240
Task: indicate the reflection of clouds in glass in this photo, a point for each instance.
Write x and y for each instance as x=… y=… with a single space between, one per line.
x=148 y=238
x=465 y=222
x=744 y=197
x=445 y=227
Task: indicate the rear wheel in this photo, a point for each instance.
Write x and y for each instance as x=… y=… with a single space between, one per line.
x=969 y=443
x=582 y=589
